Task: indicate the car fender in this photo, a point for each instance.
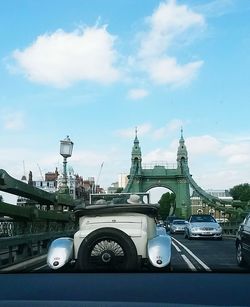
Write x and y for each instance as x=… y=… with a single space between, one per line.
x=160 y=231
x=60 y=252
x=159 y=251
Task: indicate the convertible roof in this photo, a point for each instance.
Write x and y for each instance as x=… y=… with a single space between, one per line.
x=150 y=210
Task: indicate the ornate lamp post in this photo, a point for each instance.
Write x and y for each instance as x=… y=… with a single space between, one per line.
x=66 y=147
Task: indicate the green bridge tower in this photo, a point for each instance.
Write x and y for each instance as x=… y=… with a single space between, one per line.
x=142 y=179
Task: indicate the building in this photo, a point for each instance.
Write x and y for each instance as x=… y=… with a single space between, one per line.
x=49 y=184
x=71 y=181
x=113 y=188
x=198 y=206
x=79 y=188
x=122 y=180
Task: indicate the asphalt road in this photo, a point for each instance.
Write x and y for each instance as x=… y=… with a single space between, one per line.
x=199 y=255
x=204 y=255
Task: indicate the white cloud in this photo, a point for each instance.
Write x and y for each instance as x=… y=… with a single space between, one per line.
x=236 y=153
x=89 y=158
x=239 y=159
x=218 y=179
x=170 y=127
x=168 y=24
x=216 y=8
x=13 y=120
x=137 y=93
x=168 y=71
x=199 y=145
x=130 y=132
x=161 y=155
x=60 y=59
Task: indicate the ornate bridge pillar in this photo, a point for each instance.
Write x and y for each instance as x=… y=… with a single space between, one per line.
x=183 y=203
x=143 y=179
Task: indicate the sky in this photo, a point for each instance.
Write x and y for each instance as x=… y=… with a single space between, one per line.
x=95 y=70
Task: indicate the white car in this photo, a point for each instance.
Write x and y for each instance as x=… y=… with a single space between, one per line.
x=121 y=237
x=202 y=226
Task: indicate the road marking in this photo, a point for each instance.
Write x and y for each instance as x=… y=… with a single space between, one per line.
x=185 y=258
x=193 y=255
x=176 y=247
x=188 y=262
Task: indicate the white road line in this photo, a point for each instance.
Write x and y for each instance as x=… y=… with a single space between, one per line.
x=176 y=247
x=188 y=262
x=185 y=258
x=193 y=255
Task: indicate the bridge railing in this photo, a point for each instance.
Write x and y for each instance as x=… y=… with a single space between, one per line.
x=230 y=228
x=27 y=231
x=159 y=163
x=24 y=238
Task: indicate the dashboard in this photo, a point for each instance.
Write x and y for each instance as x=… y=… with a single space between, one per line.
x=125 y=289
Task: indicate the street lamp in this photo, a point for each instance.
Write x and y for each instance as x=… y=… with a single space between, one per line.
x=66 y=147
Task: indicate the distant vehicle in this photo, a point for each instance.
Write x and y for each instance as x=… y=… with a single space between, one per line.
x=202 y=226
x=242 y=243
x=169 y=220
x=178 y=226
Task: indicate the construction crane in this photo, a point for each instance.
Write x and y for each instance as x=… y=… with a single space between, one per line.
x=98 y=177
x=40 y=172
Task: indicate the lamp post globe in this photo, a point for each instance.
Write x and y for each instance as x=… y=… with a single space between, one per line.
x=66 y=148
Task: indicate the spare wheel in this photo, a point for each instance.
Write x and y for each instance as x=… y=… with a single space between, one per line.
x=107 y=249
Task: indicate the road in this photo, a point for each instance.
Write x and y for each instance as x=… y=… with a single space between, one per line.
x=200 y=255
x=204 y=255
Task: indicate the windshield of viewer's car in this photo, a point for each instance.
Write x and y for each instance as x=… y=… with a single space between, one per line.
x=122 y=124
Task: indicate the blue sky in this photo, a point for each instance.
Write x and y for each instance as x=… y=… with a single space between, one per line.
x=94 y=70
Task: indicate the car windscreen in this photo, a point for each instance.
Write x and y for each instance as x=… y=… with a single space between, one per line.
x=204 y=218
x=179 y=222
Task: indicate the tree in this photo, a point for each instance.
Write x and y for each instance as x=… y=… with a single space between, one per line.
x=241 y=192
x=166 y=201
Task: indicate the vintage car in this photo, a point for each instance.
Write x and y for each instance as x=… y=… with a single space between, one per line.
x=114 y=237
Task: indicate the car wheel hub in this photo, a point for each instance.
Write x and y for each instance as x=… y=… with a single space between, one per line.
x=106 y=257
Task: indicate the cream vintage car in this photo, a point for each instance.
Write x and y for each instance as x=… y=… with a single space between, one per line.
x=114 y=237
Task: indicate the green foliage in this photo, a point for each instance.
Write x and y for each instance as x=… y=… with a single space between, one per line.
x=167 y=200
x=239 y=205
x=119 y=190
x=241 y=192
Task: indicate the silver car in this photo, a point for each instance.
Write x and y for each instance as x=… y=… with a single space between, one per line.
x=202 y=226
x=178 y=226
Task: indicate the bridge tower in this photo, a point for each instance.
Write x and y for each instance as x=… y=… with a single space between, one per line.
x=182 y=154
x=142 y=179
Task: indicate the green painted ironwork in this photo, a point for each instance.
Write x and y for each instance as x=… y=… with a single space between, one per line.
x=11 y=185
x=142 y=179
x=178 y=180
x=27 y=231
